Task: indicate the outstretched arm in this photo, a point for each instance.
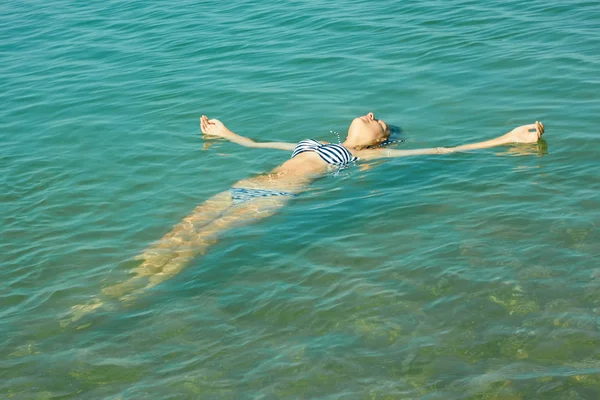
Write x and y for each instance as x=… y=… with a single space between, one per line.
x=523 y=134
x=215 y=127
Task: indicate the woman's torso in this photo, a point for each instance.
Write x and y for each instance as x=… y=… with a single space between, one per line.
x=296 y=173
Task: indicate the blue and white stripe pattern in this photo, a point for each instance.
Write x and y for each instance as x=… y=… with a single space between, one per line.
x=242 y=195
x=335 y=154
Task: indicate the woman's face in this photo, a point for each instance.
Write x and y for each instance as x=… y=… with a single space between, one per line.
x=368 y=130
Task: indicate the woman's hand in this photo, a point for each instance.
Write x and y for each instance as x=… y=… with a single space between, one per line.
x=526 y=133
x=214 y=127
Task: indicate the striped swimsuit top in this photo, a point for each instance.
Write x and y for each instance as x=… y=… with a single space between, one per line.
x=335 y=154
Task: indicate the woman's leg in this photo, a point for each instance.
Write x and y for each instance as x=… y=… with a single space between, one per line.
x=189 y=238
x=161 y=252
x=181 y=251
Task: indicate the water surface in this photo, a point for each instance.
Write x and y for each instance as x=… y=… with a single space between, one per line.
x=465 y=276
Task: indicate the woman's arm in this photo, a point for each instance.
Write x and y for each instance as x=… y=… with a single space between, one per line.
x=523 y=134
x=215 y=127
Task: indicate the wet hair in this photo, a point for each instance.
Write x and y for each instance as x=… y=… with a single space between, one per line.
x=394 y=137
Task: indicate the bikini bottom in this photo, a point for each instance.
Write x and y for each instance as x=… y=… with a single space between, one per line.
x=242 y=195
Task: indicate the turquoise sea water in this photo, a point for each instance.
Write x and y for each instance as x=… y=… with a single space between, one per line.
x=464 y=276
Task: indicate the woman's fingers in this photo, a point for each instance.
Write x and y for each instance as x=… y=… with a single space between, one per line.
x=205 y=124
x=540 y=127
x=530 y=127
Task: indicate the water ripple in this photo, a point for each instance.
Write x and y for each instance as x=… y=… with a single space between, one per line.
x=464 y=276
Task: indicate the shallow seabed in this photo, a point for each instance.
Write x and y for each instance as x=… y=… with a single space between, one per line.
x=464 y=276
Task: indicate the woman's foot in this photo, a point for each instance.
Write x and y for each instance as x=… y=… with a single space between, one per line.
x=526 y=133
x=79 y=311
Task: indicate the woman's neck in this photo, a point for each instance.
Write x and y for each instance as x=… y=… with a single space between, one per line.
x=354 y=145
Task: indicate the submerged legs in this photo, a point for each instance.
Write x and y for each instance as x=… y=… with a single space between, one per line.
x=189 y=238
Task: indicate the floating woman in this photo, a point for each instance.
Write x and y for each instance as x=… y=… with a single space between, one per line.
x=252 y=199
